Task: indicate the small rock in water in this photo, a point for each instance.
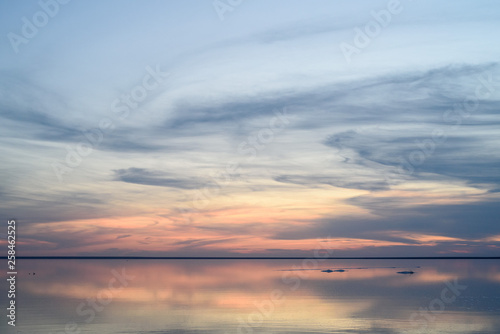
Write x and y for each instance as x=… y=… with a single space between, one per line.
x=409 y=272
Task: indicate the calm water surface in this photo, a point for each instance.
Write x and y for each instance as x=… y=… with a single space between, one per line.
x=256 y=296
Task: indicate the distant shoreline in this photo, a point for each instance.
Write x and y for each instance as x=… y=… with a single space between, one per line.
x=248 y=258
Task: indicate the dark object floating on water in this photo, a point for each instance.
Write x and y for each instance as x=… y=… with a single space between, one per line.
x=333 y=271
x=409 y=272
x=341 y=270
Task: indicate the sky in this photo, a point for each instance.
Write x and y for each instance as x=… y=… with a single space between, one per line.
x=251 y=128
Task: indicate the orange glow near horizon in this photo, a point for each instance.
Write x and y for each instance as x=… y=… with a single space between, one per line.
x=243 y=224
x=160 y=235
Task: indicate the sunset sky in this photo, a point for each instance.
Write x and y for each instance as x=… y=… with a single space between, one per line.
x=251 y=128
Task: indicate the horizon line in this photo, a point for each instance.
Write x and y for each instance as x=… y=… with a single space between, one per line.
x=253 y=258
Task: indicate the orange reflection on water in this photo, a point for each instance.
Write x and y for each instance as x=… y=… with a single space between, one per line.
x=222 y=293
